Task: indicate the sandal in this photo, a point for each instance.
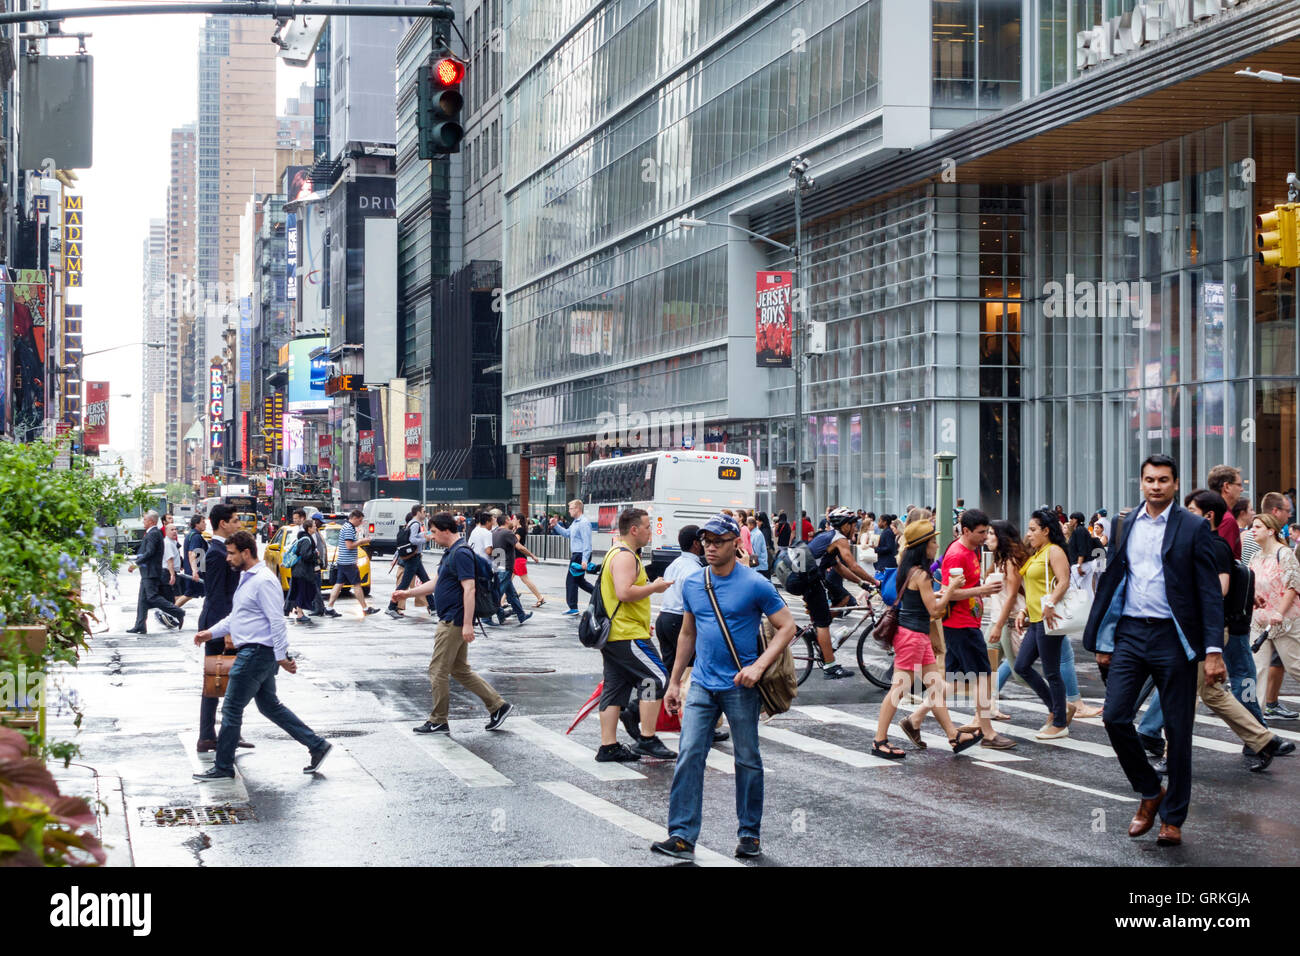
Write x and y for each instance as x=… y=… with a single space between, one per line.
x=540 y=603
x=958 y=745
x=913 y=734
x=883 y=748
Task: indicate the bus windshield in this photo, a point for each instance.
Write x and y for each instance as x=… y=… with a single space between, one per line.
x=617 y=480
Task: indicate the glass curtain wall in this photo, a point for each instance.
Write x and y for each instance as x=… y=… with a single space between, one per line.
x=976 y=53
x=1142 y=322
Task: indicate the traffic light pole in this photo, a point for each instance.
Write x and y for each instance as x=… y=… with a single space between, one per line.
x=245 y=8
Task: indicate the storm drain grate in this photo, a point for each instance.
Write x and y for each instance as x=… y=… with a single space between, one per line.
x=203 y=816
x=327 y=734
x=522 y=670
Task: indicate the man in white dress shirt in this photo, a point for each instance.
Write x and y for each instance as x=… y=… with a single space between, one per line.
x=256 y=629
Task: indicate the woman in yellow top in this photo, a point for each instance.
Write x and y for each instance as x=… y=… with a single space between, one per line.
x=1046 y=545
x=632 y=665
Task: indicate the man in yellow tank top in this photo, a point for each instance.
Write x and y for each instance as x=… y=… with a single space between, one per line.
x=631 y=663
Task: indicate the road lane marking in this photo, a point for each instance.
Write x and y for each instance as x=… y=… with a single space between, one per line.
x=1027 y=733
x=582 y=861
x=833 y=716
x=719 y=760
x=226 y=790
x=627 y=820
x=1059 y=783
x=570 y=751
x=822 y=748
x=1205 y=743
x=469 y=767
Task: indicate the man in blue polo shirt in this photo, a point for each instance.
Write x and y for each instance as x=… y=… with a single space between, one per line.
x=453 y=592
x=719 y=686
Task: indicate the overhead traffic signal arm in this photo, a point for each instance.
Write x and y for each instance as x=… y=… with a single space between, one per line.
x=1278 y=238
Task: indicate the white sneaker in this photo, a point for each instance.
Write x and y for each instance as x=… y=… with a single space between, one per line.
x=1052 y=733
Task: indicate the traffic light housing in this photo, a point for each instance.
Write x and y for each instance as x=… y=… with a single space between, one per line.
x=1278 y=238
x=440 y=103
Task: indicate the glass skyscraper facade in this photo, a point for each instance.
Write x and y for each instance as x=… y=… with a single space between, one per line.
x=1012 y=265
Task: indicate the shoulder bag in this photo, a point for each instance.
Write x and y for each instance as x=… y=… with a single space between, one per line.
x=1072 y=613
x=216 y=674
x=886 y=628
x=778 y=687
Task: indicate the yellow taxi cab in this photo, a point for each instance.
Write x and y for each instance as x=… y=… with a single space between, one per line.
x=285 y=536
x=247 y=522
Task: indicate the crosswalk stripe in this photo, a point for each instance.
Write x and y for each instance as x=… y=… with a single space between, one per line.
x=227 y=791
x=1220 y=722
x=822 y=748
x=627 y=820
x=1027 y=733
x=1223 y=746
x=586 y=861
x=472 y=769
x=570 y=751
x=1058 y=783
x=717 y=759
x=834 y=716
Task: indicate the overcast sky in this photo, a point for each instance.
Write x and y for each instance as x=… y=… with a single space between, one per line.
x=146 y=83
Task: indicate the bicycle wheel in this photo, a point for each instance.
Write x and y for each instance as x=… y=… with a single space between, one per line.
x=804 y=649
x=876 y=663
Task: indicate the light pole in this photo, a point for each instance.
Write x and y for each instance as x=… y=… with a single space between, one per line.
x=802 y=184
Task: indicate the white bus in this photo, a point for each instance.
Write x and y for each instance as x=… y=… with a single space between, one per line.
x=677 y=488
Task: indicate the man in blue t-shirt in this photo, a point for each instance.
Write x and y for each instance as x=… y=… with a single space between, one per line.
x=453 y=593
x=718 y=685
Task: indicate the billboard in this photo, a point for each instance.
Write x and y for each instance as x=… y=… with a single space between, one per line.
x=96 y=417
x=774 y=319
x=307 y=377
x=29 y=325
x=324 y=446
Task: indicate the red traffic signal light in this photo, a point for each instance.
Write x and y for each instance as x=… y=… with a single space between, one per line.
x=448 y=71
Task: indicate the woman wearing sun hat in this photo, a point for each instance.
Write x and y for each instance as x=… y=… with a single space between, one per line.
x=913 y=651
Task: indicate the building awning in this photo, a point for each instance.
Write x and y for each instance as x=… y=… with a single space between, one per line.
x=1177 y=86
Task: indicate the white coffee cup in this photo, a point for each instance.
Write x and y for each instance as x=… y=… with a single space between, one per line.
x=957 y=577
x=994 y=577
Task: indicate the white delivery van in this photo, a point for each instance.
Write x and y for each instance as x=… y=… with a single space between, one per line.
x=382 y=519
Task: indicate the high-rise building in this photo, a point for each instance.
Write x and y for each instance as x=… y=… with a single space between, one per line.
x=237 y=134
x=182 y=231
x=321 y=98
x=1029 y=240
x=297 y=122
x=153 y=426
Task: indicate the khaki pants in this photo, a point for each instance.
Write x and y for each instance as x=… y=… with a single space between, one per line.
x=451 y=659
x=1218 y=697
x=1283 y=639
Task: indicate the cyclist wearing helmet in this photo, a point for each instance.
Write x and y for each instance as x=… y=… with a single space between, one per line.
x=833 y=552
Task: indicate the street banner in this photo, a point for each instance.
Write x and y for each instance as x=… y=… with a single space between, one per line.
x=96 y=418
x=366 y=448
x=413 y=436
x=216 y=407
x=551 y=468
x=774 y=319
x=324 y=445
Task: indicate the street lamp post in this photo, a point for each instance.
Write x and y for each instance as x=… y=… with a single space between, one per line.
x=802 y=184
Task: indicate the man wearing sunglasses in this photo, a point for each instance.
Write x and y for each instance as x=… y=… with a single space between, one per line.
x=718 y=685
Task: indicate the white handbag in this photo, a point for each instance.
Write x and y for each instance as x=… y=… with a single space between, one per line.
x=1072 y=613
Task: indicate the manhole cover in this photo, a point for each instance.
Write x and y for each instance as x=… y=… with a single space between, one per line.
x=202 y=816
x=328 y=734
x=522 y=670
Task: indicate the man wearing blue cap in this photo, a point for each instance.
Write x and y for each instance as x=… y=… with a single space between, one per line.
x=743 y=596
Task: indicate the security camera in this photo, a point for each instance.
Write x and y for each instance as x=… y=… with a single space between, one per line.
x=1293 y=180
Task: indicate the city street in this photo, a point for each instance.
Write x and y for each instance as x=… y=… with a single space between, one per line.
x=530 y=795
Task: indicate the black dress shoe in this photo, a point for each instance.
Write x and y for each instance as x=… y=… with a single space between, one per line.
x=136 y=630
x=212 y=773
x=720 y=735
x=1284 y=747
x=206 y=746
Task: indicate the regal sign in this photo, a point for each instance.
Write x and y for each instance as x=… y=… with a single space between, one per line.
x=216 y=407
x=1145 y=23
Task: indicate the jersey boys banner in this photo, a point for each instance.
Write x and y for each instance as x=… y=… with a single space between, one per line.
x=774 y=319
x=412 y=436
x=96 y=420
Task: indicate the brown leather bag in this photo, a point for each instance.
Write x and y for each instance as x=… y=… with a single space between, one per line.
x=216 y=674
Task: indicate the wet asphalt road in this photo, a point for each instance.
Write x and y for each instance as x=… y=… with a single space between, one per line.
x=531 y=795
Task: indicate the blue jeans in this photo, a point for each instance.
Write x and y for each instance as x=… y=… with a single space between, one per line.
x=1068 y=673
x=685 y=802
x=253 y=678
x=1038 y=643
x=1241 y=673
x=506 y=582
x=1152 y=723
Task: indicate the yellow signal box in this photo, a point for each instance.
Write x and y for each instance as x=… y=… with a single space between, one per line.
x=1278 y=239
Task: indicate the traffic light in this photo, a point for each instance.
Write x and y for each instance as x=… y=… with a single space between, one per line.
x=1278 y=239
x=440 y=102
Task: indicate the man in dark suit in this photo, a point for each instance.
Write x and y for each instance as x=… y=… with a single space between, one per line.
x=1157 y=612
x=219 y=582
x=149 y=562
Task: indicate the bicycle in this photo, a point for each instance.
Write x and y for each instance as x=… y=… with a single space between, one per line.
x=875 y=662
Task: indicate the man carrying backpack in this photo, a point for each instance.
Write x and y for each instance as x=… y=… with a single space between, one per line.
x=740 y=596
x=454 y=595
x=410 y=549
